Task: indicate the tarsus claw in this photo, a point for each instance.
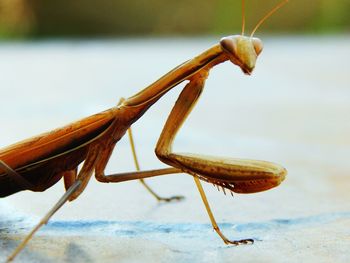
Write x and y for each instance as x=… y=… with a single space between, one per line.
x=172 y=198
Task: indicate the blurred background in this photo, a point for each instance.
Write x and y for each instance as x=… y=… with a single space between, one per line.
x=111 y=18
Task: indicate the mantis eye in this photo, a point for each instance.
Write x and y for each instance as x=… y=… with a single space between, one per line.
x=229 y=45
x=258 y=45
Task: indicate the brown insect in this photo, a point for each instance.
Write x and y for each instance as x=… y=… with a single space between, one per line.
x=39 y=162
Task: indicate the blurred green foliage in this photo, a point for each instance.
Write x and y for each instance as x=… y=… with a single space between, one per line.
x=108 y=18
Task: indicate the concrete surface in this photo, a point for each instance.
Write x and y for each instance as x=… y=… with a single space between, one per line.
x=294 y=110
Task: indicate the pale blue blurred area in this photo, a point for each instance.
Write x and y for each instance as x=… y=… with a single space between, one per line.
x=185 y=242
x=293 y=110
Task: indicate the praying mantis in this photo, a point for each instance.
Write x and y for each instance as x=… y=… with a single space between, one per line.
x=39 y=162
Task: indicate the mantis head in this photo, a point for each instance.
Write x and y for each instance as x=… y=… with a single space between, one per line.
x=242 y=51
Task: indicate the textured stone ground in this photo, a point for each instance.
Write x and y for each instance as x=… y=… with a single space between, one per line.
x=294 y=110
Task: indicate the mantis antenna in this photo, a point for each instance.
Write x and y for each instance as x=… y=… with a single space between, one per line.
x=243 y=16
x=282 y=3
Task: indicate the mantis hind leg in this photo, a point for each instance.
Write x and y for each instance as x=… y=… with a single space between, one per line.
x=75 y=185
x=69 y=177
x=16 y=177
x=72 y=189
x=148 y=188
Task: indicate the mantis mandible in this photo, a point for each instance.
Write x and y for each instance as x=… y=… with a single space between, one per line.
x=39 y=162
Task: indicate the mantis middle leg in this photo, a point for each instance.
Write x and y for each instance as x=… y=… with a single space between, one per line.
x=104 y=158
x=148 y=188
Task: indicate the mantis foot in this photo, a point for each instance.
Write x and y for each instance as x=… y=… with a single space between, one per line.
x=171 y=199
x=248 y=241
